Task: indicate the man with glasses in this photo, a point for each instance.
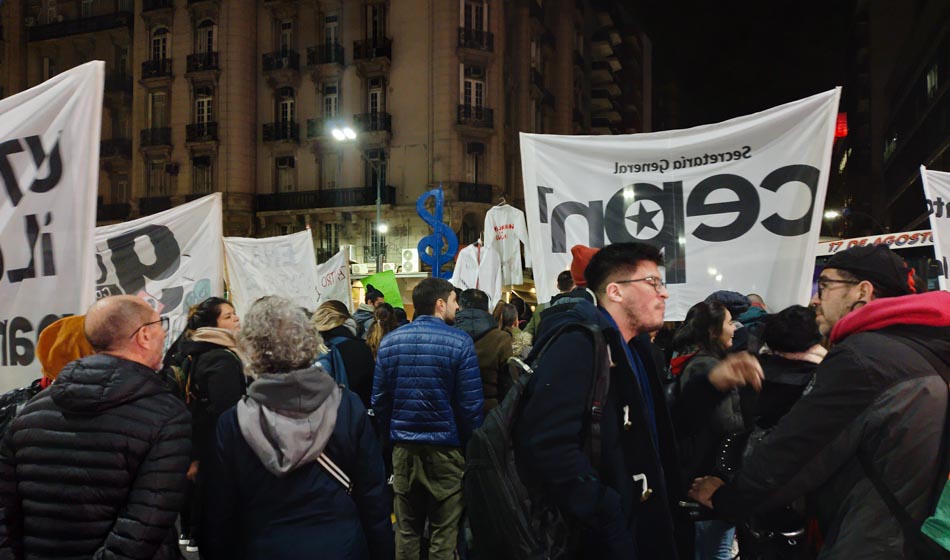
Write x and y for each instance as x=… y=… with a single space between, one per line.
x=94 y=466
x=624 y=509
x=870 y=429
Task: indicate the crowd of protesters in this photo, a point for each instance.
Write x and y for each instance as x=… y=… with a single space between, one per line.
x=810 y=432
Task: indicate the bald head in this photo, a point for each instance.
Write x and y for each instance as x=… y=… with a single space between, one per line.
x=112 y=320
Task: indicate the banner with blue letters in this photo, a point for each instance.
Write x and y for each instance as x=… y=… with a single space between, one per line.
x=733 y=206
x=49 y=171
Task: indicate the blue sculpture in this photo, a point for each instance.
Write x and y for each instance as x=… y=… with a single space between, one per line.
x=430 y=246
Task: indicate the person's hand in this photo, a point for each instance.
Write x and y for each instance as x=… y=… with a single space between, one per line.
x=703 y=489
x=737 y=370
x=193 y=471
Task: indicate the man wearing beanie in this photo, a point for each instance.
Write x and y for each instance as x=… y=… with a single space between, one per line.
x=365 y=313
x=870 y=430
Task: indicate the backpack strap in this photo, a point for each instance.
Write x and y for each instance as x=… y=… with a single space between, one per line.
x=336 y=472
x=910 y=527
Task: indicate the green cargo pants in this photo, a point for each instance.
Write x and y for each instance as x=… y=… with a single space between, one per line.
x=427 y=482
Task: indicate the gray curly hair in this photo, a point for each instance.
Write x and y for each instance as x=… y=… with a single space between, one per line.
x=277 y=336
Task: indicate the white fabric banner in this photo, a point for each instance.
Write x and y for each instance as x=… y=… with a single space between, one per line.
x=172 y=259
x=734 y=206
x=283 y=266
x=937 y=193
x=49 y=169
x=334 y=280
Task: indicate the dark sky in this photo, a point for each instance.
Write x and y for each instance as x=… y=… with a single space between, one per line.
x=732 y=58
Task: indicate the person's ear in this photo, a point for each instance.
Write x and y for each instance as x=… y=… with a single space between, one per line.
x=612 y=293
x=865 y=291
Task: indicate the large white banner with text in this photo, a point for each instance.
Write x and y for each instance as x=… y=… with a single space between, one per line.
x=334 y=280
x=49 y=170
x=283 y=266
x=172 y=259
x=733 y=206
x=937 y=193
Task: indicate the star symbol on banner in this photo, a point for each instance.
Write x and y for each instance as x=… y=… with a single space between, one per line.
x=644 y=218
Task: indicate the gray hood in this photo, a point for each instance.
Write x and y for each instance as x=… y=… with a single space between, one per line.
x=287 y=418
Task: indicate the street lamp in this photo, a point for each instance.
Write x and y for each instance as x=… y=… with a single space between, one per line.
x=347 y=134
x=847 y=212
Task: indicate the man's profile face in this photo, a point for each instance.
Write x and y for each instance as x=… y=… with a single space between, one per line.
x=643 y=304
x=379 y=301
x=835 y=298
x=451 y=306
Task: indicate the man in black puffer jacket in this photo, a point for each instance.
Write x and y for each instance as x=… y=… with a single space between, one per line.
x=94 y=466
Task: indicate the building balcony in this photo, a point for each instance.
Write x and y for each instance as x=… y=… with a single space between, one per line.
x=116 y=212
x=329 y=198
x=201 y=62
x=475 y=192
x=78 y=26
x=282 y=131
x=316 y=128
x=476 y=40
x=201 y=132
x=151 y=137
x=475 y=116
x=118 y=83
x=115 y=148
x=152 y=5
x=325 y=54
x=157 y=69
x=373 y=56
x=281 y=60
x=153 y=204
x=374 y=122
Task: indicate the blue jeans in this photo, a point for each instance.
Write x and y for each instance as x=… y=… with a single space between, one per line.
x=714 y=540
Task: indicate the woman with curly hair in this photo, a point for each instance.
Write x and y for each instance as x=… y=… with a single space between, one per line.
x=298 y=472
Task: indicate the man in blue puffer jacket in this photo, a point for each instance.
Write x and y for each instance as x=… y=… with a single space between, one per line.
x=427 y=398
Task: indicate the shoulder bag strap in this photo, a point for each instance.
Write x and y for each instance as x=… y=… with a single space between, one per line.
x=336 y=472
x=598 y=394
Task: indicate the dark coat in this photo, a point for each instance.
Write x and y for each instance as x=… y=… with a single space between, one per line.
x=873 y=394
x=785 y=381
x=95 y=466
x=358 y=359
x=218 y=379
x=551 y=458
x=427 y=387
x=493 y=347
x=253 y=514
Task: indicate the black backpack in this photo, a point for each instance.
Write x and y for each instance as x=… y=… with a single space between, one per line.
x=507 y=520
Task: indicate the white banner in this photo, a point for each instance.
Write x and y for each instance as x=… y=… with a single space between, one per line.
x=937 y=193
x=902 y=240
x=283 y=266
x=734 y=206
x=49 y=170
x=334 y=280
x=172 y=259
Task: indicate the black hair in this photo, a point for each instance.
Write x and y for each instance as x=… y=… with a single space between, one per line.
x=793 y=329
x=565 y=281
x=473 y=298
x=702 y=329
x=206 y=313
x=372 y=294
x=428 y=292
x=614 y=260
x=401 y=316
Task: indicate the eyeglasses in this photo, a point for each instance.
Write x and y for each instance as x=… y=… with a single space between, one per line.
x=823 y=283
x=163 y=321
x=657 y=283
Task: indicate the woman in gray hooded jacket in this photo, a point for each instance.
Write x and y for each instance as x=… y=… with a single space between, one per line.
x=298 y=472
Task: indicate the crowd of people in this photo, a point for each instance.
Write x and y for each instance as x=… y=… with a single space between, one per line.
x=813 y=431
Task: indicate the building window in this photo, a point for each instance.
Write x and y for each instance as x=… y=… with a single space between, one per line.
x=474 y=15
x=160 y=38
x=473 y=86
x=203 y=175
x=329 y=167
x=331 y=237
x=331 y=30
x=285 y=179
x=156 y=179
x=890 y=146
x=285 y=110
x=85 y=9
x=475 y=162
x=376 y=239
x=51 y=13
x=933 y=81
x=286 y=36
x=120 y=189
x=331 y=100
x=121 y=60
x=204 y=105
x=374 y=101
x=376 y=22
x=49 y=68
x=375 y=168
x=205 y=37
x=157 y=116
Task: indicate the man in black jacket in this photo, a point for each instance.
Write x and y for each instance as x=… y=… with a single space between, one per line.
x=94 y=466
x=625 y=508
x=876 y=409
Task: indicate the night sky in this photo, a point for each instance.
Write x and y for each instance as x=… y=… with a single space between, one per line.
x=737 y=57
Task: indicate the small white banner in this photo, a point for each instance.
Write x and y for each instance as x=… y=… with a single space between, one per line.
x=283 y=266
x=172 y=259
x=733 y=206
x=49 y=171
x=334 y=280
x=937 y=193
x=902 y=240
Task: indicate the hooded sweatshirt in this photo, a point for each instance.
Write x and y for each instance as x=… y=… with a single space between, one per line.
x=287 y=418
x=493 y=347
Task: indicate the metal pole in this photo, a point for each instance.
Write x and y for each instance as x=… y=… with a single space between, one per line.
x=379 y=207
